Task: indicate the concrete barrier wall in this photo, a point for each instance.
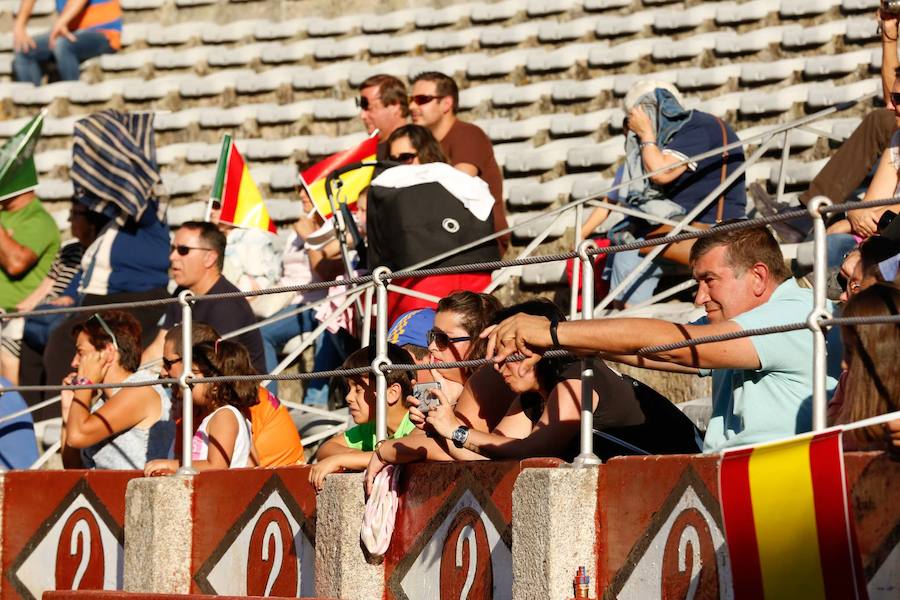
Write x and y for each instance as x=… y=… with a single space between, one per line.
x=646 y=527
x=239 y=532
x=61 y=530
x=660 y=528
x=453 y=536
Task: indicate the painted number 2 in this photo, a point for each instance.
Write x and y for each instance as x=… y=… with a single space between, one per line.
x=79 y=555
x=466 y=559
x=689 y=559
x=272 y=568
x=467 y=535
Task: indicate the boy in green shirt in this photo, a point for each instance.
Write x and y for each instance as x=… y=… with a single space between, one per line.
x=353 y=449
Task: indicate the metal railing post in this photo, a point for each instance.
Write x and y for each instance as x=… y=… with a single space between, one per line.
x=819 y=311
x=367 y=317
x=381 y=358
x=573 y=300
x=782 y=172
x=187 y=399
x=586 y=456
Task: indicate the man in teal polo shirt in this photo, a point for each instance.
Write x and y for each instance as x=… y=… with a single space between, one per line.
x=29 y=237
x=762 y=385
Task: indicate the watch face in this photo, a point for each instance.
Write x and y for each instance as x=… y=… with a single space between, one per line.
x=459 y=436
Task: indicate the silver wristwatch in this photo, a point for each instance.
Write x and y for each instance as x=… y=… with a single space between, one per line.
x=459 y=436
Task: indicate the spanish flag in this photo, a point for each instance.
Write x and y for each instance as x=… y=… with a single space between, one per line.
x=787 y=521
x=313 y=178
x=241 y=203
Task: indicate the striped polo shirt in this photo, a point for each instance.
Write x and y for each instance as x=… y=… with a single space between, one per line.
x=104 y=16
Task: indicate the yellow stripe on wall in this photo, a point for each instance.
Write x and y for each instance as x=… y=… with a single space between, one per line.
x=785 y=519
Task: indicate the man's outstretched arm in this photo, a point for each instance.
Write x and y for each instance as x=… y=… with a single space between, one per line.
x=530 y=335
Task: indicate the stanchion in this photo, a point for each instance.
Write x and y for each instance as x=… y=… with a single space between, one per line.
x=573 y=289
x=587 y=457
x=187 y=399
x=819 y=311
x=381 y=358
x=367 y=318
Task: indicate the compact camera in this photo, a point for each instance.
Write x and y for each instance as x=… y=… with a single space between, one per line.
x=427 y=400
x=890 y=7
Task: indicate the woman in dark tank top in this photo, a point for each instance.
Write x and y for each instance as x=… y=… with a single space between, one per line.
x=544 y=418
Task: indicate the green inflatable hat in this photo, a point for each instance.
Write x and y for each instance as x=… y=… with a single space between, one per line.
x=17 y=171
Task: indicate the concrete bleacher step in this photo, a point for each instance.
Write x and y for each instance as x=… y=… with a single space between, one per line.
x=624 y=53
x=544 y=274
x=617 y=26
x=598 y=155
x=753 y=74
x=678 y=20
x=751 y=42
x=566 y=91
x=739 y=13
x=544 y=61
x=806 y=8
x=544 y=157
x=553 y=226
x=503 y=130
x=797 y=173
x=797 y=37
x=568 y=124
x=566 y=31
x=497 y=36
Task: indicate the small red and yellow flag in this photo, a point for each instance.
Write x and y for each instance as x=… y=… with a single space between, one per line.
x=241 y=203
x=787 y=520
x=353 y=182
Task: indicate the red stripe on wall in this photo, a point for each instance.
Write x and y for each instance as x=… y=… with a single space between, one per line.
x=232 y=187
x=832 y=527
x=740 y=531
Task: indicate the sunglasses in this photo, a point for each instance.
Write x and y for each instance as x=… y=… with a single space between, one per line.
x=183 y=250
x=442 y=340
x=362 y=103
x=422 y=99
x=844 y=284
x=106 y=328
x=168 y=363
x=895 y=99
x=404 y=157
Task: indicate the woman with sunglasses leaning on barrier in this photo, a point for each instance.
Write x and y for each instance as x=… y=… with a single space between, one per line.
x=479 y=396
x=545 y=417
x=119 y=428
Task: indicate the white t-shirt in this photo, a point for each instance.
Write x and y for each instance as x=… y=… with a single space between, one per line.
x=240 y=457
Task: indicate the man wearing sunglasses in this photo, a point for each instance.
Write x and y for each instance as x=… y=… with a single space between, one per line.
x=382 y=106
x=432 y=104
x=197 y=256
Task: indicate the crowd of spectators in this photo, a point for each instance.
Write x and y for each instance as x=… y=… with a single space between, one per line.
x=761 y=386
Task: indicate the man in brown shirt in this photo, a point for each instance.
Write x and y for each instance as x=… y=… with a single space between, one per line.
x=382 y=106
x=432 y=104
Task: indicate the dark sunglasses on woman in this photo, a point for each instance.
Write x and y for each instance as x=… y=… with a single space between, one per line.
x=403 y=157
x=442 y=340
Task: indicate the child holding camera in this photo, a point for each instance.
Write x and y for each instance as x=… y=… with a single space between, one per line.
x=353 y=449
